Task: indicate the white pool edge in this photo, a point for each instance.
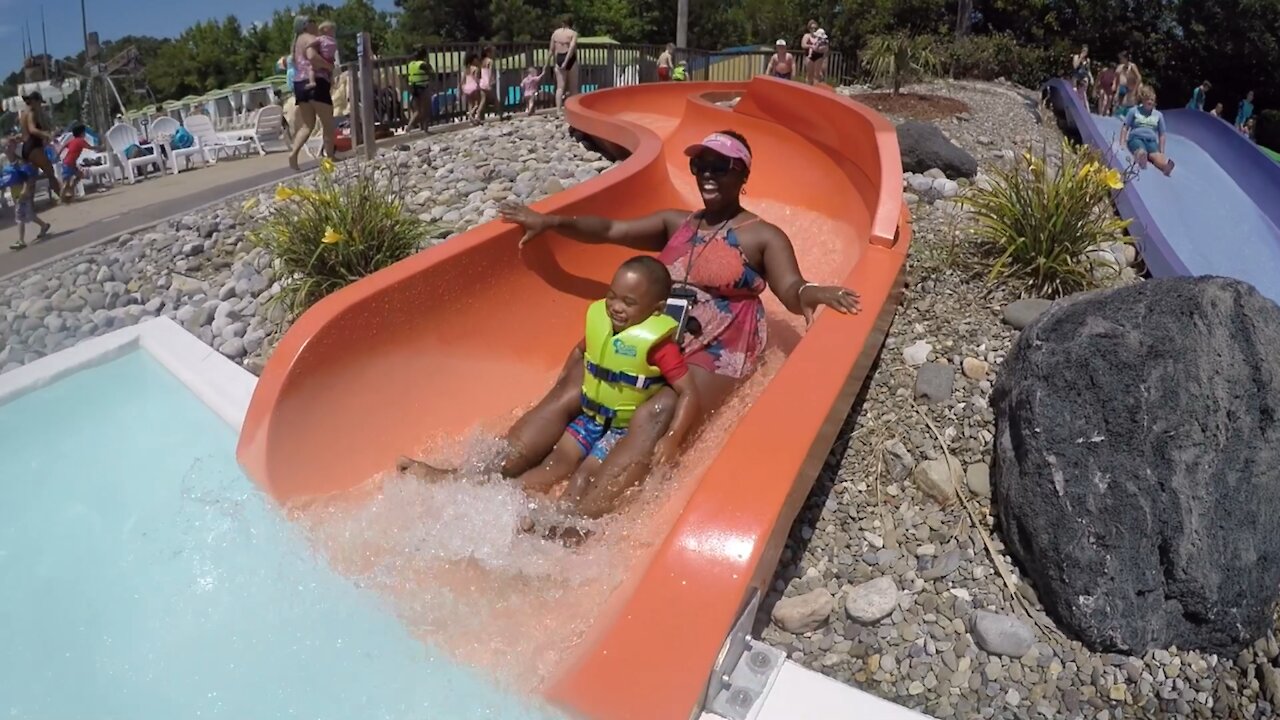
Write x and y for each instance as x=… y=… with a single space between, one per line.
x=797 y=692
x=222 y=385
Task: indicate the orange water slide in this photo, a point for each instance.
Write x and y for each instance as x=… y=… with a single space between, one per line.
x=474 y=329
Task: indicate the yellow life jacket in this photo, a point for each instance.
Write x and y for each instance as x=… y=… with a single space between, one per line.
x=418 y=72
x=618 y=377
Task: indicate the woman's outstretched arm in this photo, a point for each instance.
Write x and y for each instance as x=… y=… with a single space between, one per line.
x=782 y=272
x=648 y=233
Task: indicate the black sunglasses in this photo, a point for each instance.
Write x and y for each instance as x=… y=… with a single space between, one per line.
x=710 y=164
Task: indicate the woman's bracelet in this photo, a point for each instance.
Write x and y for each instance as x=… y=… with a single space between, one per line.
x=801 y=290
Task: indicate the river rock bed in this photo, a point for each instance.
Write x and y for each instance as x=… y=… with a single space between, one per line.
x=893 y=578
x=203 y=272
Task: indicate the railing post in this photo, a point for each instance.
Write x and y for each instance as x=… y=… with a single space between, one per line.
x=611 y=58
x=365 y=59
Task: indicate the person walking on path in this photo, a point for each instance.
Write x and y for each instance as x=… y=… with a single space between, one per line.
x=35 y=139
x=312 y=89
x=564 y=53
x=781 y=64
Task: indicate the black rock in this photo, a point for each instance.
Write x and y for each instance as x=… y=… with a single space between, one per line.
x=1137 y=464
x=924 y=147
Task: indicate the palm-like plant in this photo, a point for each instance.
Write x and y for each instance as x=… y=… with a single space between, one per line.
x=899 y=59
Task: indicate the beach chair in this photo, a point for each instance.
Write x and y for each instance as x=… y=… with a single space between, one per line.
x=202 y=128
x=167 y=127
x=119 y=139
x=267 y=130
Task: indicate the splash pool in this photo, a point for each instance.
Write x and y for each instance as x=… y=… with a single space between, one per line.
x=142 y=575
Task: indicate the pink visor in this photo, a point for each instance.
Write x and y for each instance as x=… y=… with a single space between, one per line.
x=726 y=145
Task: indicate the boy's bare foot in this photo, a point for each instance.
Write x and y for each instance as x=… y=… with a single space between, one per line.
x=1168 y=167
x=421 y=470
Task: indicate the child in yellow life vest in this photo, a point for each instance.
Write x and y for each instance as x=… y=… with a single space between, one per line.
x=630 y=353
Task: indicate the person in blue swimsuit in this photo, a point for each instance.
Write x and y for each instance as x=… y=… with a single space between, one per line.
x=1144 y=134
x=1198 y=95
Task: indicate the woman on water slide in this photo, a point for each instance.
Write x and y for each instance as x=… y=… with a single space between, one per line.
x=721 y=258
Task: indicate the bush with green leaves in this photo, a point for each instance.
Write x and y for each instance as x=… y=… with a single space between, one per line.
x=896 y=60
x=1038 y=220
x=988 y=57
x=350 y=224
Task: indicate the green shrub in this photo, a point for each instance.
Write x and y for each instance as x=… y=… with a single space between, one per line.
x=1268 y=132
x=988 y=57
x=1036 y=223
x=351 y=224
x=896 y=60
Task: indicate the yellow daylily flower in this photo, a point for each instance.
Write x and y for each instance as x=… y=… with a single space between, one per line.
x=283 y=193
x=1112 y=179
x=326 y=166
x=305 y=194
x=331 y=236
x=249 y=204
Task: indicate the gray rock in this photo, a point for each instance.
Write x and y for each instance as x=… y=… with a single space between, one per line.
x=804 y=613
x=977 y=477
x=917 y=353
x=898 y=461
x=1120 y=425
x=920 y=184
x=934 y=382
x=1001 y=634
x=872 y=601
x=943 y=566
x=934 y=174
x=192 y=249
x=1019 y=313
x=39 y=309
x=924 y=147
x=233 y=348
x=938 y=479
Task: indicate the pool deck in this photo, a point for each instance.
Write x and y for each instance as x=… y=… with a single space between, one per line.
x=138 y=206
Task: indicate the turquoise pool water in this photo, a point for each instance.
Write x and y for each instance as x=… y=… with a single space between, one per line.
x=143 y=576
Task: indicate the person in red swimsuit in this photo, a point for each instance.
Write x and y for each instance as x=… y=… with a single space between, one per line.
x=723 y=257
x=71 y=152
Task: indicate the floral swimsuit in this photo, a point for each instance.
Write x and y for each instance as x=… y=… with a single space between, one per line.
x=727 y=305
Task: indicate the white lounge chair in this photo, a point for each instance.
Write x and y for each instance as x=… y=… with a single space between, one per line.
x=167 y=126
x=119 y=138
x=267 y=129
x=202 y=128
x=101 y=174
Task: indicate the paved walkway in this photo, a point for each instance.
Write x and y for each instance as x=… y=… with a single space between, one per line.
x=125 y=207
x=99 y=215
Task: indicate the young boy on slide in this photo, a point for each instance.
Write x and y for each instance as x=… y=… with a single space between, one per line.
x=630 y=353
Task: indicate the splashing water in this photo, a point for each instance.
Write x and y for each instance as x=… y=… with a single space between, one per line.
x=450 y=558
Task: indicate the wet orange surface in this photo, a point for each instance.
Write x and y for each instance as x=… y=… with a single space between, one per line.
x=469 y=332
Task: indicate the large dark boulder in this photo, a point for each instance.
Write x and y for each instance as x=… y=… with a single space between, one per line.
x=924 y=147
x=1137 y=463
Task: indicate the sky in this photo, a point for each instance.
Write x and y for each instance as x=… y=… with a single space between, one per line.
x=112 y=19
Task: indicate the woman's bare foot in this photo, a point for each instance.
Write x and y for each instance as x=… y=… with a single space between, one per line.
x=293 y=164
x=421 y=470
x=1168 y=167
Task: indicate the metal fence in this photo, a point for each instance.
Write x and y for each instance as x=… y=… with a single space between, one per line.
x=598 y=67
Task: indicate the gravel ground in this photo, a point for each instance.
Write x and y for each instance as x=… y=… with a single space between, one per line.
x=892 y=583
x=202 y=271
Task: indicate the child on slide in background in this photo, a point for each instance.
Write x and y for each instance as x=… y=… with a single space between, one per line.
x=630 y=353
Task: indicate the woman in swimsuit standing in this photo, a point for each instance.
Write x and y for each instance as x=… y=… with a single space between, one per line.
x=781 y=64
x=312 y=89
x=564 y=48
x=34 y=140
x=723 y=258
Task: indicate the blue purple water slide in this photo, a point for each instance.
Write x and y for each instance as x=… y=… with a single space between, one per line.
x=1218 y=214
